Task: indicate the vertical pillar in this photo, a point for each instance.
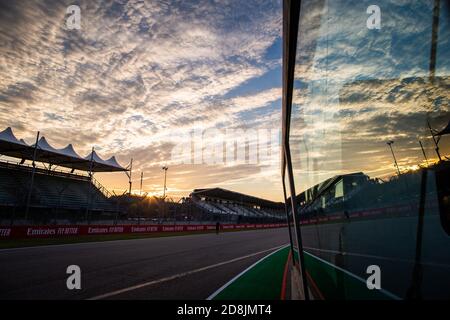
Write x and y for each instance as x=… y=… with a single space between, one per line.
x=90 y=185
x=296 y=219
x=423 y=151
x=142 y=178
x=129 y=176
x=33 y=170
x=286 y=208
x=436 y=142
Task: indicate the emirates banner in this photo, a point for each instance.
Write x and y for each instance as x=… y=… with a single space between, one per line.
x=23 y=232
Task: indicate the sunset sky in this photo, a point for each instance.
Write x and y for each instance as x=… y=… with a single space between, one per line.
x=141 y=75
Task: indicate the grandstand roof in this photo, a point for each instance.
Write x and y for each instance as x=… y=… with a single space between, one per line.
x=65 y=157
x=224 y=194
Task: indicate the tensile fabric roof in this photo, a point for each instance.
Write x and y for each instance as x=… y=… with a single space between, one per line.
x=66 y=157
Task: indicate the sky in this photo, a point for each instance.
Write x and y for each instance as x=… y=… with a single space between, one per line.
x=140 y=78
x=171 y=83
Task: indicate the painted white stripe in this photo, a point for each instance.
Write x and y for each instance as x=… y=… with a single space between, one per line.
x=387 y=293
x=212 y=296
x=433 y=264
x=179 y=275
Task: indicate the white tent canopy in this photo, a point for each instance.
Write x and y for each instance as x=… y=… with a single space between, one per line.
x=65 y=157
x=69 y=151
x=7 y=135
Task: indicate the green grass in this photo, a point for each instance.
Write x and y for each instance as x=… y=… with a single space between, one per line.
x=262 y=282
x=18 y=243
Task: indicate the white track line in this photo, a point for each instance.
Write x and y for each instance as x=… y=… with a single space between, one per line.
x=212 y=296
x=179 y=275
x=433 y=264
x=387 y=293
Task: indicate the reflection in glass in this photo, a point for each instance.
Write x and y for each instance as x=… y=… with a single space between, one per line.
x=370 y=149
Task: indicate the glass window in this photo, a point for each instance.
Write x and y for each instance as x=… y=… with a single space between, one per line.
x=370 y=152
x=339 y=190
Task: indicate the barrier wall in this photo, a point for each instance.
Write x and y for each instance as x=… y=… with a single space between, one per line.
x=23 y=232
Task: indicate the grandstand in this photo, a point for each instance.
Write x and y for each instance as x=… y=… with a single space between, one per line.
x=40 y=183
x=226 y=205
x=45 y=190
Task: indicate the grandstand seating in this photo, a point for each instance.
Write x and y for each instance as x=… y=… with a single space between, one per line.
x=50 y=190
x=228 y=204
x=232 y=209
x=242 y=210
x=208 y=207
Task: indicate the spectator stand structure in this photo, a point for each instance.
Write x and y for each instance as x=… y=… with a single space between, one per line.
x=226 y=205
x=63 y=180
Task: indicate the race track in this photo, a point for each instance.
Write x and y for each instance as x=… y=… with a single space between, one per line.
x=183 y=267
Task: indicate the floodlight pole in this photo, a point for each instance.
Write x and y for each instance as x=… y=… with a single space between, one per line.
x=389 y=143
x=423 y=151
x=165 y=168
x=142 y=177
x=33 y=170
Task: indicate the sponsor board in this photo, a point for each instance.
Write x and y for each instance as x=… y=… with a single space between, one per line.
x=23 y=232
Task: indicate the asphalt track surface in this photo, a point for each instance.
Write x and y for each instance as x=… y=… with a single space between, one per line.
x=182 y=267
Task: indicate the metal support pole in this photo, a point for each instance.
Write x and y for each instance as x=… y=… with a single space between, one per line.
x=393 y=155
x=436 y=143
x=286 y=208
x=129 y=176
x=90 y=185
x=296 y=219
x=165 y=179
x=415 y=292
x=434 y=40
x=423 y=151
x=142 y=178
x=433 y=54
x=33 y=170
x=165 y=168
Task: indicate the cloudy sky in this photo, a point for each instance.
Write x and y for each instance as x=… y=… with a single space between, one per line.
x=140 y=77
